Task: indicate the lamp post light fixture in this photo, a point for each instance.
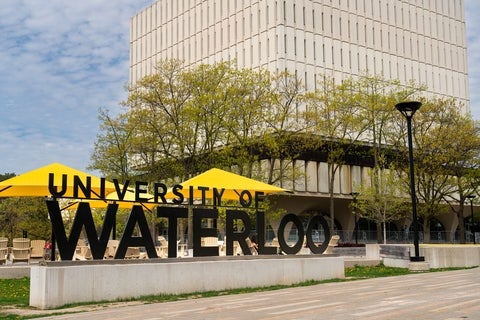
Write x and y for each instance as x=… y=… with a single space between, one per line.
x=354 y=196
x=408 y=109
x=471 y=197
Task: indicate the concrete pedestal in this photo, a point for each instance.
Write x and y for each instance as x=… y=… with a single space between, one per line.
x=55 y=284
x=418 y=266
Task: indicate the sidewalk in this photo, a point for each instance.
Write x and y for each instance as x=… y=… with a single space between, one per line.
x=434 y=295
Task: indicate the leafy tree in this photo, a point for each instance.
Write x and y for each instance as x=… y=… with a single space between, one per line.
x=442 y=149
x=359 y=110
x=30 y=215
x=381 y=201
x=112 y=151
x=461 y=136
x=6 y=176
x=377 y=97
x=157 y=107
x=333 y=113
x=180 y=121
x=284 y=123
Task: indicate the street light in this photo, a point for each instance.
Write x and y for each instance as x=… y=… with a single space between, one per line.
x=471 y=197
x=408 y=109
x=354 y=196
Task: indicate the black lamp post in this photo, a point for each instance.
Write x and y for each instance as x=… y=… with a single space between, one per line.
x=354 y=196
x=408 y=109
x=471 y=197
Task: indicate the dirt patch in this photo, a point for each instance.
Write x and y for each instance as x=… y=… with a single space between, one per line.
x=26 y=312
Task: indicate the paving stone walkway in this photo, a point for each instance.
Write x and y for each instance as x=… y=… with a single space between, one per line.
x=435 y=295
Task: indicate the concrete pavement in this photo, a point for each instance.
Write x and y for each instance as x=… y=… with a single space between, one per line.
x=437 y=295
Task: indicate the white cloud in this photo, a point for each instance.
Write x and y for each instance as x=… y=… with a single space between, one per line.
x=472 y=9
x=60 y=62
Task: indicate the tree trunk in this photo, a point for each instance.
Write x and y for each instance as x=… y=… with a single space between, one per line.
x=461 y=223
x=379 y=233
x=426 y=232
x=331 y=181
x=384 y=232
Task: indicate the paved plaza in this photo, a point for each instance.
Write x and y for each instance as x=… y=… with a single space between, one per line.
x=435 y=295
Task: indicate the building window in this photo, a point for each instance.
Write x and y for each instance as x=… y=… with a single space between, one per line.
x=303 y=15
x=259 y=52
x=350 y=59
x=294 y=13
x=358 y=62
x=365 y=33
x=267 y=16
x=331 y=24
x=251 y=23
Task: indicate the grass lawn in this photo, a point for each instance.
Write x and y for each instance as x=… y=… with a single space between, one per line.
x=14 y=292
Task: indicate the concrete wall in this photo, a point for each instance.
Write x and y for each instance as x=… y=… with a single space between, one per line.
x=13 y=271
x=54 y=284
x=445 y=256
x=372 y=251
x=438 y=256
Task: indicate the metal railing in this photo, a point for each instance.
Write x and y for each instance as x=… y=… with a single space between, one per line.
x=406 y=237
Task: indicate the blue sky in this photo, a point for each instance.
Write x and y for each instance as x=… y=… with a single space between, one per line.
x=60 y=61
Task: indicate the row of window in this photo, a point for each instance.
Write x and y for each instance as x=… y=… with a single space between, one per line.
x=313 y=176
x=331 y=21
x=327 y=52
x=310 y=46
x=407 y=13
x=365 y=32
x=440 y=81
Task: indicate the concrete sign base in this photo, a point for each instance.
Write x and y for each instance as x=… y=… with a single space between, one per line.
x=54 y=284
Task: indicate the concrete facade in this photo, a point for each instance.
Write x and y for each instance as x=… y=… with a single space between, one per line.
x=54 y=284
x=423 y=41
x=406 y=40
x=437 y=256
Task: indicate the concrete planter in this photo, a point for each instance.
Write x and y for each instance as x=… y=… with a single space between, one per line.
x=55 y=284
x=350 y=251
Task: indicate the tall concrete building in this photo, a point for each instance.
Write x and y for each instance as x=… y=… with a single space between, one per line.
x=420 y=40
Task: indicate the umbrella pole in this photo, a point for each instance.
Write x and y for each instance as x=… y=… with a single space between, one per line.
x=114 y=228
x=190 y=227
x=52 y=253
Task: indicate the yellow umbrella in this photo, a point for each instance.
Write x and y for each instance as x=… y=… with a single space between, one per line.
x=35 y=183
x=232 y=185
x=127 y=202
